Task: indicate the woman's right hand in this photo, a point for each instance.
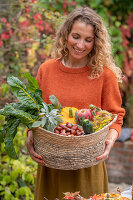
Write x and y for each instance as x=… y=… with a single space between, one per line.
x=30 y=148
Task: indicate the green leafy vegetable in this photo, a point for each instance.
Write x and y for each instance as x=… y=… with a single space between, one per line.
x=32 y=83
x=30 y=110
x=24 y=117
x=2 y=135
x=9 y=139
x=49 y=118
x=21 y=92
x=55 y=102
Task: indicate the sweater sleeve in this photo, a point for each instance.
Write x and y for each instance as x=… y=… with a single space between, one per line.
x=111 y=99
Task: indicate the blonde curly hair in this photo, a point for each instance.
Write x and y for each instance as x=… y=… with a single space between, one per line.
x=101 y=54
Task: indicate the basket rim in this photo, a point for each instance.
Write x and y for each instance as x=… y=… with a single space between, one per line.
x=87 y=135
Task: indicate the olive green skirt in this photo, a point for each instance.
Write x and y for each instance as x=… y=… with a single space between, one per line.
x=52 y=183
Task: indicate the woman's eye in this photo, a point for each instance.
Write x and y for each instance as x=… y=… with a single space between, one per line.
x=75 y=37
x=88 y=41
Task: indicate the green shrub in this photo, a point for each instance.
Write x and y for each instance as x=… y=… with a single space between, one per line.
x=17 y=177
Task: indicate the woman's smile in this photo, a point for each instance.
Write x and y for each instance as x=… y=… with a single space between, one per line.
x=77 y=50
x=80 y=42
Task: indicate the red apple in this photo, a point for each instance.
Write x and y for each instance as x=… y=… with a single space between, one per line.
x=84 y=113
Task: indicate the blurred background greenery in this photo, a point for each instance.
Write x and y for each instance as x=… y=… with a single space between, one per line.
x=27 y=30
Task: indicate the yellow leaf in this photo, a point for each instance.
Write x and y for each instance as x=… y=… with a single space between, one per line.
x=41 y=51
x=21 y=19
x=31 y=62
x=35 y=45
x=48 y=49
x=31 y=52
x=1 y=66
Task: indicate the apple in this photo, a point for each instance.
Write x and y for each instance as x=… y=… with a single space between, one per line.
x=84 y=113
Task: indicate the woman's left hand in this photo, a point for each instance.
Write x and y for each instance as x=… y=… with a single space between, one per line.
x=111 y=137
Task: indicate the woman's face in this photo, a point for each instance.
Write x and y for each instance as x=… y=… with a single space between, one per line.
x=80 y=41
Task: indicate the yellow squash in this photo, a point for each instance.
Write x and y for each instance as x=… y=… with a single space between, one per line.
x=68 y=115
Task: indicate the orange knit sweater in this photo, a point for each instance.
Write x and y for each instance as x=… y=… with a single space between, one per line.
x=73 y=88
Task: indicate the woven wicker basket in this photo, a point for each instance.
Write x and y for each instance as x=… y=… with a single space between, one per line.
x=70 y=152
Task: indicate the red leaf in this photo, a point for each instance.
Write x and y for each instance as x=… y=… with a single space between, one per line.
x=1 y=43
x=125 y=42
x=126 y=31
x=40 y=22
x=8 y=25
x=41 y=28
x=37 y=16
x=73 y=3
x=130 y=20
x=27 y=10
x=10 y=32
x=5 y=36
x=4 y=20
x=24 y=23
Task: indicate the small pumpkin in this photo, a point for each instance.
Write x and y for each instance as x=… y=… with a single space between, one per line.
x=68 y=115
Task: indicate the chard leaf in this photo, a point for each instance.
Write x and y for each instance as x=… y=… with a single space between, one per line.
x=21 y=92
x=55 y=102
x=32 y=82
x=2 y=135
x=34 y=87
x=27 y=108
x=9 y=139
x=22 y=106
x=13 y=128
x=38 y=96
x=25 y=117
x=15 y=82
x=9 y=120
x=15 y=106
x=10 y=148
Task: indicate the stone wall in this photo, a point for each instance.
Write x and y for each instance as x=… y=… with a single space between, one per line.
x=120 y=163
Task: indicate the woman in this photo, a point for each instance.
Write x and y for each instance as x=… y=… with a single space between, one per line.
x=83 y=72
